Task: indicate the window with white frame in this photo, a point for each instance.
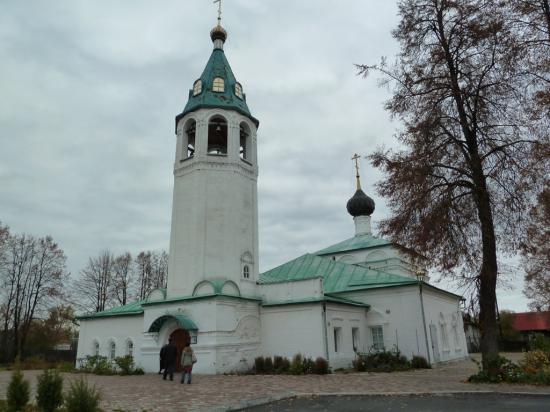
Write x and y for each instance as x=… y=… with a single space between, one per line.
x=337 y=338
x=218 y=85
x=377 y=337
x=129 y=347
x=355 y=338
x=112 y=350
x=246 y=272
x=197 y=87
x=238 y=90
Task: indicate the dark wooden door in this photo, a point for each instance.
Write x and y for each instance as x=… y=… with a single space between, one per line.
x=180 y=337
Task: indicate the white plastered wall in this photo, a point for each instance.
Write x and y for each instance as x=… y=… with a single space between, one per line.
x=104 y=330
x=291 y=329
x=229 y=336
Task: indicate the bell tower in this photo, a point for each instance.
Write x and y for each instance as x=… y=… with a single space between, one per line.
x=214 y=231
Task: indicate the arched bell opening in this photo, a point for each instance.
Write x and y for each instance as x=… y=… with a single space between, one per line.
x=245 y=147
x=217 y=136
x=189 y=140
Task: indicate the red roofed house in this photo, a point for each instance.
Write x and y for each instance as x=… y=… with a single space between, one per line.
x=528 y=323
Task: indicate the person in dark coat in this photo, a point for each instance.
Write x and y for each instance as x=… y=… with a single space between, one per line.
x=170 y=358
x=161 y=358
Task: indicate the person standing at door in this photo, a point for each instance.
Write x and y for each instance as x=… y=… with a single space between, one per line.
x=161 y=358
x=170 y=356
x=188 y=358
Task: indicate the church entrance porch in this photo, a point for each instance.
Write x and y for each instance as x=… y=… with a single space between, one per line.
x=180 y=338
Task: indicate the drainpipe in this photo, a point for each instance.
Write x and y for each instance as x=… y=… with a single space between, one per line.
x=420 y=282
x=325 y=329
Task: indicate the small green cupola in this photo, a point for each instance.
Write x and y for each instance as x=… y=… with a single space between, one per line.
x=217 y=86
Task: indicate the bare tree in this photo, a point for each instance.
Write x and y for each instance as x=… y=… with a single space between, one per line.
x=143 y=274
x=93 y=290
x=159 y=268
x=536 y=254
x=32 y=277
x=122 y=278
x=151 y=271
x=459 y=189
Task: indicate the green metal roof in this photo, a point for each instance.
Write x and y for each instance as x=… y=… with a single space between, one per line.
x=217 y=66
x=126 y=310
x=325 y=298
x=182 y=320
x=364 y=241
x=337 y=276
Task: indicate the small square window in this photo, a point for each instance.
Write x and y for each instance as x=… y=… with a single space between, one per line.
x=218 y=85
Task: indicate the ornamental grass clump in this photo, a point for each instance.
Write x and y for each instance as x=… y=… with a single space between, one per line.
x=49 y=393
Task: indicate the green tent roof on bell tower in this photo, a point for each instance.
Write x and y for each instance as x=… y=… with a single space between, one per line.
x=217 y=66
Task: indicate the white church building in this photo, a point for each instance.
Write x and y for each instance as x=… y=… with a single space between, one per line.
x=359 y=295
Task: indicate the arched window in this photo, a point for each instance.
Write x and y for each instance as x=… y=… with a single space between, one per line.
x=189 y=143
x=218 y=85
x=129 y=347
x=247 y=265
x=112 y=350
x=217 y=136
x=197 y=87
x=238 y=90
x=96 y=348
x=244 y=142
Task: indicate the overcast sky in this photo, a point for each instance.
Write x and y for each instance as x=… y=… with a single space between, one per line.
x=89 y=91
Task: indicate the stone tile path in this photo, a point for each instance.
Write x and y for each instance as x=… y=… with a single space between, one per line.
x=220 y=393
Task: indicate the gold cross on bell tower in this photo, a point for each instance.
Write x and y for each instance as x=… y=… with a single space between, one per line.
x=356 y=158
x=219 y=11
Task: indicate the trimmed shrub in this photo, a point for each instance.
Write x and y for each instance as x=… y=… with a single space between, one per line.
x=297 y=366
x=98 y=365
x=320 y=366
x=536 y=359
x=384 y=361
x=278 y=363
x=540 y=342
x=259 y=363
x=307 y=365
x=125 y=364
x=49 y=393
x=18 y=392
x=419 y=362
x=268 y=365
x=82 y=398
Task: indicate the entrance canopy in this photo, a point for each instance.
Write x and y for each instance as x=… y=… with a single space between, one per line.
x=182 y=320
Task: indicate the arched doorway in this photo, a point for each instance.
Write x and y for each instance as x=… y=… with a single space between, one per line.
x=181 y=339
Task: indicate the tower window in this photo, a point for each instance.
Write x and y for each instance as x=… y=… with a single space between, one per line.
x=217 y=136
x=197 y=87
x=239 y=90
x=246 y=272
x=218 y=85
x=244 y=142
x=189 y=148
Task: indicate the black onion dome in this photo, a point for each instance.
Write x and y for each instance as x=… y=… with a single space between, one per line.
x=360 y=204
x=218 y=32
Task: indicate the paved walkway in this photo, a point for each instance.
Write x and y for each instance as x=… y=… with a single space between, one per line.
x=220 y=392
